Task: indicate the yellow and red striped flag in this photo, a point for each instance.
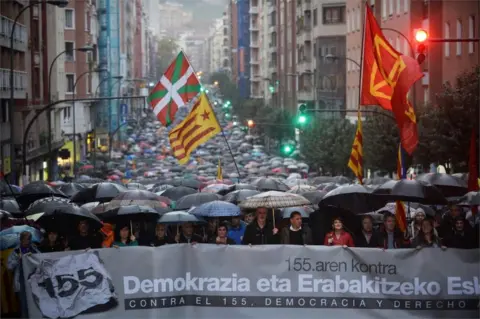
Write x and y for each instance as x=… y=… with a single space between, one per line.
x=356 y=156
x=199 y=126
x=400 y=210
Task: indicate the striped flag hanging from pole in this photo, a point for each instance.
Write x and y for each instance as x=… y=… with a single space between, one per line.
x=400 y=210
x=356 y=156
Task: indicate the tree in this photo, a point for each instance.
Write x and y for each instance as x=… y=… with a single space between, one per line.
x=227 y=88
x=166 y=51
x=326 y=145
x=445 y=127
x=380 y=141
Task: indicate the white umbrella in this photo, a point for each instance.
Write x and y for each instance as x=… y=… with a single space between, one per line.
x=274 y=199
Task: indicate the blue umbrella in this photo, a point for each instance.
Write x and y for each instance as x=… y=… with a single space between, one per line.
x=9 y=237
x=216 y=208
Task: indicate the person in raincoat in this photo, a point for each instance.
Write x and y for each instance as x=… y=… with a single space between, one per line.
x=338 y=236
x=14 y=263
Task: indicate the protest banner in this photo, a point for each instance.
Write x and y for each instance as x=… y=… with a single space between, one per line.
x=209 y=281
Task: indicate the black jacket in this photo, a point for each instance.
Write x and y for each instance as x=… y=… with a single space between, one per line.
x=194 y=239
x=375 y=240
x=465 y=240
x=254 y=235
x=306 y=235
x=229 y=241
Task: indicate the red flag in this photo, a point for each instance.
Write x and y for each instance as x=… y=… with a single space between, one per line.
x=400 y=211
x=387 y=76
x=473 y=168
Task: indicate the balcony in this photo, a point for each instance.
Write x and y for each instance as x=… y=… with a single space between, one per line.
x=19 y=80
x=254 y=44
x=19 y=36
x=254 y=27
x=253 y=10
x=254 y=62
x=40 y=147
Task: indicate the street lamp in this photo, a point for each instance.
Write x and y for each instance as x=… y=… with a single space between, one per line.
x=85 y=48
x=59 y=3
x=74 y=131
x=335 y=57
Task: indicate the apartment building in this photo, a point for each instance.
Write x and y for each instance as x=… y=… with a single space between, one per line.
x=219 y=46
x=399 y=19
x=80 y=31
x=256 y=81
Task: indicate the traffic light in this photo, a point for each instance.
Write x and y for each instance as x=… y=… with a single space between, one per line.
x=251 y=123
x=302 y=117
x=287 y=149
x=421 y=38
x=228 y=116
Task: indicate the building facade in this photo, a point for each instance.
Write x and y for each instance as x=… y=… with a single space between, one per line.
x=399 y=19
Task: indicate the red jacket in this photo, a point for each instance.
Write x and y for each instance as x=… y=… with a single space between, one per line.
x=345 y=239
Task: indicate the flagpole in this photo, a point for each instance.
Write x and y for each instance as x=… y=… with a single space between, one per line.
x=226 y=140
x=215 y=115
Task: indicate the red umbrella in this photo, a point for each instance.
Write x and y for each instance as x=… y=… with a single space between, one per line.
x=113 y=177
x=86 y=167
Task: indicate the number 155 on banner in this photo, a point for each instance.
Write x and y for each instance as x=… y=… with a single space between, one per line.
x=70 y=285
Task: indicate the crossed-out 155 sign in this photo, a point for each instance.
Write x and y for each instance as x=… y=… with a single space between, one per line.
x=62 y=288
x=123 y=113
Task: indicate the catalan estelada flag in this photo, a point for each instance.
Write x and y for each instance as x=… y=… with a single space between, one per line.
x=219 y=171
x=400 y=210
x=387 y=76
x=356 y=156
x=199 y=126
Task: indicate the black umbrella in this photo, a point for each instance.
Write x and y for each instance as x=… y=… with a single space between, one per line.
x=188 y=182
x=385 y=188
x=10 y=205
x=175 y=193
x=139 y=198
x=136 y=186
x=70 y=189
x=36 y=190
x=322 y=179
x=354 y=198
x=449 y=185
x=8 y=190
x=240 y=195
x=101 y=192
x=270 y=184
x=46 y=205
x=342 y=180
x=161 y=188
x=326 y=187
x=4 y=214
x=314 y=197
x=414 y=191
x=130 y=212
x=237 y=187
x=377 y=181
x=194 y=200
x=66 y=217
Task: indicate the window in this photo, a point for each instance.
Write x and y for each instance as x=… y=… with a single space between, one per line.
x=384 y=9
x=67 y=112
x=89 y=57
x=459 y=35
x=348 y=21
x=5 y=115
x=446 y=35
x=390 y=8
x=334 y=15
x=426 y=95
x=352 y=20
x=471 y=34
x=405 y=5
x=87 y=21
x=358 y=19
x=398 y=7
x=69 y=19
x=70 y=82
x=70 y=51
x=89 y=83
x=315 y=17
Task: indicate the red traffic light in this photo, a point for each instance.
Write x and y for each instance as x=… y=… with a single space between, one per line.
x=421 y=35
x=250 y=123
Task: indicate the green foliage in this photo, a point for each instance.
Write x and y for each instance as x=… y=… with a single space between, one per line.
x=166 y=52
x=380 y=141
x=445 y=127
x=326 y=145
x=227 y=88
